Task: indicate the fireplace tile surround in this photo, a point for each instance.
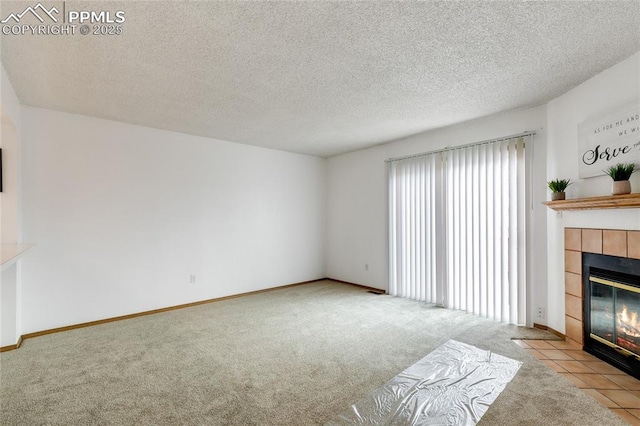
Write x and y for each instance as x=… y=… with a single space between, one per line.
x=600 y=241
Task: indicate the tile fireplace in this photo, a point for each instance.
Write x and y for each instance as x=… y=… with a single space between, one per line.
x=602 y=294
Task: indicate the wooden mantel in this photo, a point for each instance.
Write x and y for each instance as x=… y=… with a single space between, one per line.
x=627 y=201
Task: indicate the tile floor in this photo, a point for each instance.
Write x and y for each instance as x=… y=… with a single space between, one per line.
x=609 y=386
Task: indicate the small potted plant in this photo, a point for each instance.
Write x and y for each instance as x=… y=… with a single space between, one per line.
x=557 y=187
x=620 y=173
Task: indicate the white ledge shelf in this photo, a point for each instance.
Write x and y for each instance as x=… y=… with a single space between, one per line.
x=10 y=253
x=627 y=201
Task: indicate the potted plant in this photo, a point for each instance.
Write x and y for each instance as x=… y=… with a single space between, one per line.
x=620 y=173
x=557 y=187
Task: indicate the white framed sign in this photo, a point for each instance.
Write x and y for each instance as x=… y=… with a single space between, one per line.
x=609 y=139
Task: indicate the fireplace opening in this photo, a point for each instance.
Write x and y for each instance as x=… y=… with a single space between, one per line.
x=612 y=310
x=614 y=314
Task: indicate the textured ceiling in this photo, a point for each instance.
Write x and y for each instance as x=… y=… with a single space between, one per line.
x=318 y=77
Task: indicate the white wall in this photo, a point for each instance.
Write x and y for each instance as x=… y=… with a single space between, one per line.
x=615 y=87
x=10 y=121
x=9 y=198
x=123 y=215
x=10 y=103
x=357 y=203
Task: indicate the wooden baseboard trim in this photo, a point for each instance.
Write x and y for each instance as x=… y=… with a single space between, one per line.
x=557 y=333
x=377 y=290
x=203 y=302
x=151 y=312
x=172 y=308
x=11 y=347
x=550 y=330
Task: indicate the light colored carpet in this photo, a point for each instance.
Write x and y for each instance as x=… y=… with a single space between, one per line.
x=295 y=356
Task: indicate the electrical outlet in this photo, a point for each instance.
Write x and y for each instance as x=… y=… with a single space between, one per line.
x=540 y=312
x=192 y=279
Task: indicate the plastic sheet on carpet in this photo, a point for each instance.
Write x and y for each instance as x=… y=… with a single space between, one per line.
x=453 y=385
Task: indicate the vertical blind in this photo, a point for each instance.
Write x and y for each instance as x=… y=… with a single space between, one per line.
x=412 y=190
x=457 y=229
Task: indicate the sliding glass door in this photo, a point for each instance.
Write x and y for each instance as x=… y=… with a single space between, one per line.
x=457 y=228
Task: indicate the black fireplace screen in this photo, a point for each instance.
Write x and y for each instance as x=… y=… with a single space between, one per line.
x=614 y=314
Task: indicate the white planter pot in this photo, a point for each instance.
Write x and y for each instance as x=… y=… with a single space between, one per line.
x=621 y=187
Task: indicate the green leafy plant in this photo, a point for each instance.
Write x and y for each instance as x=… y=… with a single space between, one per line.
x=559 y=185
x=621 y=171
